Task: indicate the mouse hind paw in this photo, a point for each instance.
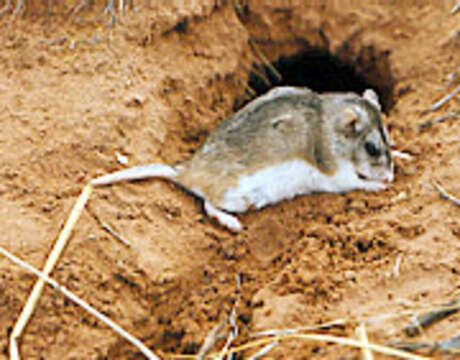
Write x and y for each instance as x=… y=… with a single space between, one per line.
x=226 y=220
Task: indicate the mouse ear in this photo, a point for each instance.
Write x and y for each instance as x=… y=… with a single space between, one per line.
x=371 y=96
x=349 y=122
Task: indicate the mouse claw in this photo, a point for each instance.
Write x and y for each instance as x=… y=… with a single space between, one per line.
x=226 y=220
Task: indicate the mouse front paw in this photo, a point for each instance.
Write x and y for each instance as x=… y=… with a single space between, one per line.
x=374 y=186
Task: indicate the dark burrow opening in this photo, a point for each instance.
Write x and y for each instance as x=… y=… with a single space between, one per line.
x=322 y=71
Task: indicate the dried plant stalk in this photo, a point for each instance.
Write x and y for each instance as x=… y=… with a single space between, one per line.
x=34 y=296
x=144 y=349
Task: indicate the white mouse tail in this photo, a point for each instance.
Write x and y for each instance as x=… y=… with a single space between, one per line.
x=137 y=173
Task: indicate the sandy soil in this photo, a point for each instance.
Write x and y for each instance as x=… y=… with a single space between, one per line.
x=151 y=89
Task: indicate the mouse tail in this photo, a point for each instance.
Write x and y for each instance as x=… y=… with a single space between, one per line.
x=138 y=173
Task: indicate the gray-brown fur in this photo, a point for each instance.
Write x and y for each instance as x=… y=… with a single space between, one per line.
x=270 y=130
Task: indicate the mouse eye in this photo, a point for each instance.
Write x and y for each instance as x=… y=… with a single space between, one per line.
x=371 y=149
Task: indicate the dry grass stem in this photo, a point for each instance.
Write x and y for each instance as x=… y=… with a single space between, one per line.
x=362 y=336
x=423 y=321
x=332 y=339
x=110 y=8
x=259 y=71
x=453 y=76
x=451 y=345
x=279 y=332
x=445 y=99
x=214 y=336
x=456 y=8
x=429 y=123
x=404 y=313
x=446 y=195
x=31 y=303
x=232 y=334
x=109 y=229
x=112 y=232
x=264 y=351
x=251 y=92
x=145 y=350
x=79 y=8
x=265 y=61
x=234 y=331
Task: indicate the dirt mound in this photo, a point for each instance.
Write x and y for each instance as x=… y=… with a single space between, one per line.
x=75 y=94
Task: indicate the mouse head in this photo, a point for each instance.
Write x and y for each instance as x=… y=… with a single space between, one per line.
x=364 y=138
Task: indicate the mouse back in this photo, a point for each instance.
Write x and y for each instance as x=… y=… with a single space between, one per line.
x=283 y=125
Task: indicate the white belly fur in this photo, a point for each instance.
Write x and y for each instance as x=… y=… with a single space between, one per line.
x=284 y=181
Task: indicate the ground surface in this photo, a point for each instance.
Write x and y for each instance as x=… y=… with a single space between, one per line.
x=151 y=89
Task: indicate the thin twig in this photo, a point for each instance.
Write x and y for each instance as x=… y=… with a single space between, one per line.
x=278 y=332
x=456 y=8
x=107 y=228
x=331 y=339
x=110 y=9
x=399 y=314
x=232 y=321
x=264 y=59
x=79 y=7
x=259 y=71
x=453 y=75
x=410 y=345
x=211 y=339
x=362 y=336
x=233 y=333
x=31 y=303
x=445 y=99
x=251 y=92
x=144 y=349
x=264 y=351
x=451 y=345
x=422 y=321
x=440 y=119
x=446 y=195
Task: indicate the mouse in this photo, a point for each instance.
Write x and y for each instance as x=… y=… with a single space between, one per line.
x=288 y=142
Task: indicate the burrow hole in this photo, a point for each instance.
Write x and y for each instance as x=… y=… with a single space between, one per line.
x=322 y=71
